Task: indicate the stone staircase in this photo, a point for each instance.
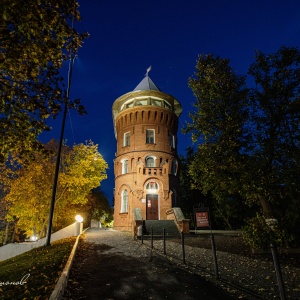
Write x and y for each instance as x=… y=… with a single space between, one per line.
x=157 y=226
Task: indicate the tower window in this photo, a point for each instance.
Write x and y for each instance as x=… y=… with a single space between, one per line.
x=150 y=136
x=174 y=167
x=172 y=141
x=156 y=102
x=150 y=162
x=126 y=139
x=167 y=105
x=125 y=168
x=124 y=201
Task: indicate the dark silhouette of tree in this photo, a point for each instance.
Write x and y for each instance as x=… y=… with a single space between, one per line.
x=248 y=140
x=36 y=37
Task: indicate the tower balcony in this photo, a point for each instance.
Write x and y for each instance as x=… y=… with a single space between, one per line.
x=153 y=171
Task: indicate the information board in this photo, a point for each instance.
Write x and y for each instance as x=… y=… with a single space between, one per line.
x=202 y=219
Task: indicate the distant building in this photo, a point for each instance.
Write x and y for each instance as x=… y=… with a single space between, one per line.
x=146 y=164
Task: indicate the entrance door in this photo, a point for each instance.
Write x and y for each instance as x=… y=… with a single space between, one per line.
x=152 y=206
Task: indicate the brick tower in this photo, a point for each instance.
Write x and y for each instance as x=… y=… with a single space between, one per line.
x=146 y=165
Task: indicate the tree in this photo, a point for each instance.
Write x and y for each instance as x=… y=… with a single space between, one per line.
x=273 y=173
x=100 y=208
x=248 y=139
x=82 y=169
x=95 y=207
x=219 y=126
x=189 y=196
x=35 y=40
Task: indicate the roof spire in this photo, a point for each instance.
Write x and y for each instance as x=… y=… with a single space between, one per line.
x=148 y=70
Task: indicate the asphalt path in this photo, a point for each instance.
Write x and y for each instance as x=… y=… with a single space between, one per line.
x=110 y=265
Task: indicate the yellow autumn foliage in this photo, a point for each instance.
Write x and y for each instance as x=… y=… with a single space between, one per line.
x=82 y=169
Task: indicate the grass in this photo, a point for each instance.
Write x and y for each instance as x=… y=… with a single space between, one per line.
x=40 y=269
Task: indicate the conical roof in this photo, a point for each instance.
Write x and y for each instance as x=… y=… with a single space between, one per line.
x=146 y=85
x=145 y=89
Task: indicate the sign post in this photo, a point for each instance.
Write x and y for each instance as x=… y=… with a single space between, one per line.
x=202 y=219
x=201 y=215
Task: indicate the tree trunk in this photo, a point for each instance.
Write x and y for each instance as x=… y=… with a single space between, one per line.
x=14 y=234
x=43 y=229
x=6 y=234
x=267 y=207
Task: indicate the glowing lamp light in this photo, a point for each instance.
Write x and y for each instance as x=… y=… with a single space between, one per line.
x=152 y=187
x=78 y=218
x=152 y=191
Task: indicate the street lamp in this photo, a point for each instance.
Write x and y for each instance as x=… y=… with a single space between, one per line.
x=78 y=225
x=78 y=218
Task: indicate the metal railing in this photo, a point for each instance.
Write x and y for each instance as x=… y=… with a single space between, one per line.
x=256 y=276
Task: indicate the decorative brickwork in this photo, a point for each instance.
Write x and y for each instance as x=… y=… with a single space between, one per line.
x=145 y=167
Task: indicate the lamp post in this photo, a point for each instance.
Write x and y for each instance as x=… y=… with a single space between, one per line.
x=54 y=188
x=78 y=225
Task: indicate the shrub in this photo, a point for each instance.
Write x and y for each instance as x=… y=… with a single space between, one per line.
x=259 y=235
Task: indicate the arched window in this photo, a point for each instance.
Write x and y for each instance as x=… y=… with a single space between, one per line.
x=152 y=185
x=125 y=167
x=124 y=201
x=150 y=162
x=174 y=167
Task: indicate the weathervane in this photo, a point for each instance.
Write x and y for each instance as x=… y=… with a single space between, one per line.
x=148 y=70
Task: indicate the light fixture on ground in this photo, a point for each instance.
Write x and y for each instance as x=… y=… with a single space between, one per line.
x=78 y=225
x=78 y=218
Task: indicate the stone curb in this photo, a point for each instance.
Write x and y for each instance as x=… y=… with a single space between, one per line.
x=61 y=284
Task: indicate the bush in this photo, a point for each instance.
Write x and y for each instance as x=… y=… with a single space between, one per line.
x=259 y=235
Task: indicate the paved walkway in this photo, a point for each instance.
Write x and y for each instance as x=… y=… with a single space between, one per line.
x=110 y=265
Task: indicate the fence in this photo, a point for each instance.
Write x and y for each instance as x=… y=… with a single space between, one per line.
x=241 y=271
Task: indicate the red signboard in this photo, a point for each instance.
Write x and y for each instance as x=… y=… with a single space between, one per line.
x=202 y=219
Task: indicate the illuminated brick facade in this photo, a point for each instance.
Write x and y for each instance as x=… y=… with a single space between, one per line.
x=146 y=165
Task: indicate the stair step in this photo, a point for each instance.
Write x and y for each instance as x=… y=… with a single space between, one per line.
x=158 y=225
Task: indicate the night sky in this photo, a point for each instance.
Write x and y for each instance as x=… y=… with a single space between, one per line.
x=127 y=36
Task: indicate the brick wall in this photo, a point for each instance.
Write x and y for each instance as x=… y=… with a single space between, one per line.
x=136 y=121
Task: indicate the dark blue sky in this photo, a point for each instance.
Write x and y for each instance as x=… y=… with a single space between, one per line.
x=127 y=36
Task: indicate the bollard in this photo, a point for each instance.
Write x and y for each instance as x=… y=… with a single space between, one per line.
x=278 y=272
x=164 y=240
x=151 y=237
x=182 y=246
x=214 y=253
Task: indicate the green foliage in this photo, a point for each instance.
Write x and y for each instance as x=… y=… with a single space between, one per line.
x=259 y=235
x=100 y=208
x=218 y=124
x=35 y=40
x=189 y=196
x=230 y=212
x=44 y=266
x=248 y=139
x=274 y=167
x=95 y=207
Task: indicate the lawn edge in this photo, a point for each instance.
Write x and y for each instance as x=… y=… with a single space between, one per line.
x=61 y=284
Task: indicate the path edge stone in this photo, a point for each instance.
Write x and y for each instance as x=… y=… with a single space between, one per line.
x=61 y=284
